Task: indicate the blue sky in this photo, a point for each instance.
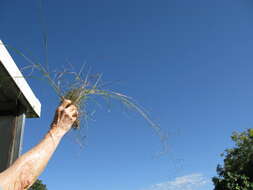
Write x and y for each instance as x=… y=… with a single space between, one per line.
x=189 y=63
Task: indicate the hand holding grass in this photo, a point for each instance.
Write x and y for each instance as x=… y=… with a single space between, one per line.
x=65 y=116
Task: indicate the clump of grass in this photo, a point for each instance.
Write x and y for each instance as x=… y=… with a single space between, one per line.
x=80 y=88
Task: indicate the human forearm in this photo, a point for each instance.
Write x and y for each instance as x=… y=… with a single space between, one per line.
x=25 y=170
x=29 y=166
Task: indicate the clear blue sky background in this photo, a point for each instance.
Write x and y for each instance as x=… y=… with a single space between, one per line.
x=190 y=63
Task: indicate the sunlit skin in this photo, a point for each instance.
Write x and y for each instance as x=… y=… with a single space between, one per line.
x=26 y=169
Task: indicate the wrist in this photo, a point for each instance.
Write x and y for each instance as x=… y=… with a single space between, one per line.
x=57 y=131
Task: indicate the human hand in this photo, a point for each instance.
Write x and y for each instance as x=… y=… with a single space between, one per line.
x=65 y=116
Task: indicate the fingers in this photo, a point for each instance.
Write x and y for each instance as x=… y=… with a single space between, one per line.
x=72 y=110
x=75 y=114
x=66 y=103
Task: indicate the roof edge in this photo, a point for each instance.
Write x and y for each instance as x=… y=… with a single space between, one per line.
x=33 y=104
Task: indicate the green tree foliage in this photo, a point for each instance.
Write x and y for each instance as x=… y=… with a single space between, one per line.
x=237 y=171
x=38 y=185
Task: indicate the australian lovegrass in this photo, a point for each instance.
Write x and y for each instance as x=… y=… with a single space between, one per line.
x=80 y=88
